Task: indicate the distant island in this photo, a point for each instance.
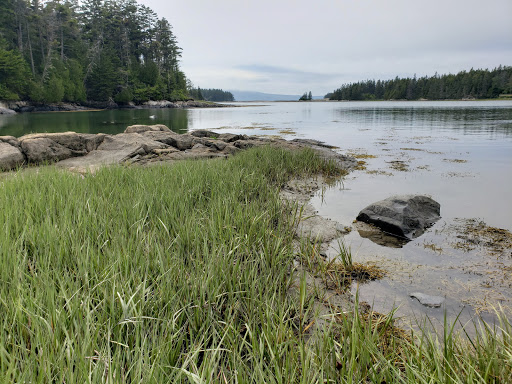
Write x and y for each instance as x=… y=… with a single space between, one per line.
x=261 y=96
x=473 y=84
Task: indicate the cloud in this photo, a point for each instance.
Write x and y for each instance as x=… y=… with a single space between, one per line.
x=270 y=72
x=290 y=46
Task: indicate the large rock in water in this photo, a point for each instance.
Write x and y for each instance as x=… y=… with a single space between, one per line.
x=406 y=216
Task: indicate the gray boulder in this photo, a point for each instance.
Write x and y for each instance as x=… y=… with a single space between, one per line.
x=407 y=216
x=10 y=156
x=10 y=140
x=204 y=133
x=116 y=149
x=181 y=142
x=230 y=137
x=79 y=142
x=147 y=128
x=41 y=149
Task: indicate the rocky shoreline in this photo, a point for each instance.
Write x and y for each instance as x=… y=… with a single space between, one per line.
x=140 y=144
x=13 y=107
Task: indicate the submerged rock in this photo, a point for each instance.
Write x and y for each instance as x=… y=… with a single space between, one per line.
x=406 y=216
x=427 y=300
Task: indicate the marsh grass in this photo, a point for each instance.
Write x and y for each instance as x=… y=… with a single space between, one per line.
x=180 y=273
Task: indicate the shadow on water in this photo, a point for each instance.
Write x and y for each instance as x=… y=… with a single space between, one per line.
x=106 y=121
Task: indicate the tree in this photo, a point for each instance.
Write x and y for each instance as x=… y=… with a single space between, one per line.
x=14 y=75
x=475 y=83
x=100 y=49
x=305 y=96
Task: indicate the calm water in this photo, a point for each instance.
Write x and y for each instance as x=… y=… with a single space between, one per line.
x=460 y=153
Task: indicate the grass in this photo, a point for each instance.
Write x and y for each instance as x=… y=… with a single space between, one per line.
x=339 y=273
x=181 y=274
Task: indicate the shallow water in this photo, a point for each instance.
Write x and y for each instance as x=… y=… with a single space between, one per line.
x=460 y=153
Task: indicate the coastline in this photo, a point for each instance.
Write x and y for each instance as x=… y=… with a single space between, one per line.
x=12 y=107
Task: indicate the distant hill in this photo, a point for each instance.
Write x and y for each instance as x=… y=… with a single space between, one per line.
x=259 y=96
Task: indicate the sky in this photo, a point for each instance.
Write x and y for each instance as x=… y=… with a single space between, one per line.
x=295 y=46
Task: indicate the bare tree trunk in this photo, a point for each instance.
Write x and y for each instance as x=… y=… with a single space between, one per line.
x=30 y=50
x=19 y=11
x=48 y=61
x=20 y=36
x=61 y=43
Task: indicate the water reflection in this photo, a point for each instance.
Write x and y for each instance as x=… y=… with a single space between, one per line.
x=106 y=121
x=492 y=120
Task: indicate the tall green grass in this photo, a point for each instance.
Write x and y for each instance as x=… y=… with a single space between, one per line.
x=181 y=273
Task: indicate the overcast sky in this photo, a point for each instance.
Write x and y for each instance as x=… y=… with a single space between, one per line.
x=293 y=46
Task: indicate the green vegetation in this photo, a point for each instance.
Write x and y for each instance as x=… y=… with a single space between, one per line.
x=94 y=50
x=211 y=94
x=475 y=84
x=181 y=273
x=306 y=96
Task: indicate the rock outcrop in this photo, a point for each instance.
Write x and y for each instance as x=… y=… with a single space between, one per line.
x=10 y=154
x=51 y=147
x=138 y=144
x=406 y=216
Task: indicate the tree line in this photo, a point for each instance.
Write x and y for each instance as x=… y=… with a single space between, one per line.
x=306 y=96
x=211 y=94
x=473 y=84
x=96 y=50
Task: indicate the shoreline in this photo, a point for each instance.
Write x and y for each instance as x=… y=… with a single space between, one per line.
x=13 y=107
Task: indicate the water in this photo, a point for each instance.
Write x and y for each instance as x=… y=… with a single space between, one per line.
x=460 y=153
x=106 y=121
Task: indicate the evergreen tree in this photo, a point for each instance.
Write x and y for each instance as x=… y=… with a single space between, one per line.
x=473 y=84
x=100 y=50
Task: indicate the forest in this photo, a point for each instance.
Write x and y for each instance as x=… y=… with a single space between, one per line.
x=473 y=84
x=95 y=50
x=211 y=94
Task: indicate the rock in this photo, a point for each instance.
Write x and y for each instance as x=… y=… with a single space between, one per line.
x=216 y=144
x=116 y=149
x=406 y=216
x=10 y=156
x=230 y=150
x=41 y=149
x=92 y=141
x=159 y=104
x=181 y=142
x=146 y=128
x=10 y=140
x=230 y=137
x=343 y=229
x=79 y=142
x=315 y=143
x=7 y=111
x=427 y=300
x=204 y=133
x=243 y=144
x=164 y=151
